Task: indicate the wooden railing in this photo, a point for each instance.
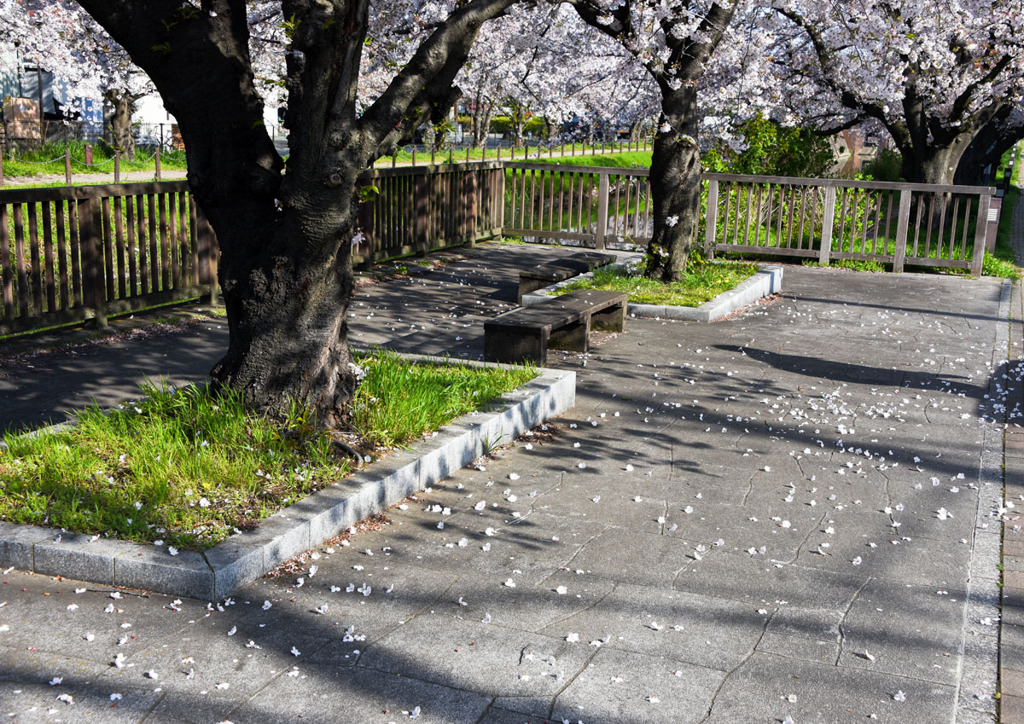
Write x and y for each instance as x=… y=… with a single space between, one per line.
x=414 y=210
x=72 y=254
x=897 y=224
x=590 y=204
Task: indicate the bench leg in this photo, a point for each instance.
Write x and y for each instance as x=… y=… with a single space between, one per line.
x=612 y=319
x=502 y=345
x=572 y=337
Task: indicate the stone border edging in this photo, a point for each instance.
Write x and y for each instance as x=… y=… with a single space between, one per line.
x=244 y=557
x=768 y=280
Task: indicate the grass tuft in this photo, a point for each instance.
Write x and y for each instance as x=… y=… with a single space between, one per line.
x=431 y=395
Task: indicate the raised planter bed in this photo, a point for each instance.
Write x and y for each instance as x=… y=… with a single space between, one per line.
x=223 y=569
x=767 y=281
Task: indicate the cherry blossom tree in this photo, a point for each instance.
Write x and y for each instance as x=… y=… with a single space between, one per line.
x=286 y=233
x=933 y=72
x=673 y=40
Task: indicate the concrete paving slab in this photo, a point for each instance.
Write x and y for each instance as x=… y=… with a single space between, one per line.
x=478 y=657
x=759 y=579
x=712 y=633
x=625 y=687
x=81 y=702
x=922 y=620
x=645 y=559
x=327 y=695
x=803 y=633
x=770 y=688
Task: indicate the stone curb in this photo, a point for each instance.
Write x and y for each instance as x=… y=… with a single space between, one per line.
x=768 y=280
x=222 y=570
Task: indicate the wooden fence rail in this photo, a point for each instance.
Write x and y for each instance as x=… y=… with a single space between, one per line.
x=417 y=209
x=589 y=204
x=73 y=254
x=897 y=224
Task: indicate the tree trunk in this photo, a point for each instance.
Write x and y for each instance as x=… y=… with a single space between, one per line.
x=122 y=106
x=286 y=238
x=518 y=124
x=987 y=148
x=675 y=186
x=288 y=335
x=933 y=164
x=482 y=114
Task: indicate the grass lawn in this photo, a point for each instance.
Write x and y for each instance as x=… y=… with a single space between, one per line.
x=704 y=281
x=190 y=467
x=627 y=159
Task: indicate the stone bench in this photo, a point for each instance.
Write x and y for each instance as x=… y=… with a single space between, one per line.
x=564 y=322
x=550 y=272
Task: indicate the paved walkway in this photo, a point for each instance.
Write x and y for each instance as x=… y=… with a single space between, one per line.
x=792 y=515
x=1011 y=670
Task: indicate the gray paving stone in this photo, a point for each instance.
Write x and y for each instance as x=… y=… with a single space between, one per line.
x=759 y=691
x=478 y=657
x=978 y=687
x=653 y=560
x=16 y=543
x=351 y=695
x=803 y=633
x=909 y=630
x=78 y=556
x=38 y=702
x=153 y=568
x=627 y=687
x=760 y=580
x=709 y=632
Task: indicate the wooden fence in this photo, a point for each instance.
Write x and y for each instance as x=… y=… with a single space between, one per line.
x=589 y=204
x=72 y=254
x=897 y=224
x=414 y=210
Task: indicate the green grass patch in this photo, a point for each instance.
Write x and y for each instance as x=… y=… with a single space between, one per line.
x=189 y=467
x=703 y=282
x=565 y=154
x=49 y=159
x=851 y=264
x=630 y=159
x=1002 y=261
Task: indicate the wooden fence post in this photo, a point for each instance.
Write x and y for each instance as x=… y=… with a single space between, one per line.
x=826 y=225
x=470 y=206
x=994 y=210
x=602 y=210
x=117 y=167
x=711 y=219
x=499 y=196
x=156 y=159
x=1 y=167
x=421 y=203
x=902 y=226
x=67 y=164
x=980 y=232
x=206 y=246
x=94 y=294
